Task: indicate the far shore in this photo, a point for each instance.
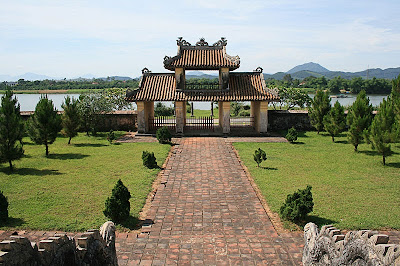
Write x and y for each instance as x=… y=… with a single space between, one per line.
x=73 y=91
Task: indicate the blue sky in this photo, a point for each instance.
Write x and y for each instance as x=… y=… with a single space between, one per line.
x=104 y=38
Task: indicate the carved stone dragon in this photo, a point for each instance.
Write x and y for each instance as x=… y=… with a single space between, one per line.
x=331 y=247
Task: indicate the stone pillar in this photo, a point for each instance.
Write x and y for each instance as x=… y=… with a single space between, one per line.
x=255 y=113
x=180 y=78
x=224 y=109
x=263 y=117
x=223 y=78
x=180 y=112
x=145 y=110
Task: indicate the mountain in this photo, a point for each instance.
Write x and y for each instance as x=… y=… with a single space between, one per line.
x=199 y=74
x=313 y=67
x=26 y=76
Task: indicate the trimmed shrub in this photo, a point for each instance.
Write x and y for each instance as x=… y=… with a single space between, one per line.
x=259 y=156
x=163 y=135
x=297 y=205
x=117 y=207
x=110 y=136
x=292 y=135
x=149 y=160
x=3 y=207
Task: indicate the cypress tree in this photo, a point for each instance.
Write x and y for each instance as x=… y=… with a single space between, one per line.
x=359 y=118
x=320 y=106
x=383 y=129
x=395 y=96
x=11 y=129
x=44 y=124
x=335 y=120
x=70 y=118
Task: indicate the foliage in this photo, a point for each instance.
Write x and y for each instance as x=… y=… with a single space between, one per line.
x=3 y=207
x=71 y=119
x=111 y=136
x=395 y=96
x=11 y=129
x=82 y=84
x=291 y=97
x=236 y=107
x=117 y=207
x=383 y=129
x=162 y=110
x=342 y=180
x=163 y=135
x=117 y=98
x=320 y=106
x=335 y=120
x=359 y=118
x=297 y=205
x=259 y=156
x=292 y=135
x=44 y=124
x=244 y=113
x=336 y=84
x=91 y=106
x=149 y=160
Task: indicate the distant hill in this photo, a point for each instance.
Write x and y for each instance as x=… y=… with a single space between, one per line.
x=26 y=76
x=313 y=67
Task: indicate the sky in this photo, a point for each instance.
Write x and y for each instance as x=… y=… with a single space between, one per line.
x=68 y=39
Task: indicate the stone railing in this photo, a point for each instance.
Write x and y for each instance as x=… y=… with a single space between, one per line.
x=94 y=247
x=331 y=247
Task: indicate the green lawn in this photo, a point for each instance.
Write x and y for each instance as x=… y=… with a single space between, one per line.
x=351 y=190
x=67 y=191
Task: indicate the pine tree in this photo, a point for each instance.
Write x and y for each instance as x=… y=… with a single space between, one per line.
x=70 y=118
x=44 y=124
x=117 y=207
x=383 y=129
x=11 y=129
x=359 y=118
x=395 y=96
x=320 y=106
x=335 y=120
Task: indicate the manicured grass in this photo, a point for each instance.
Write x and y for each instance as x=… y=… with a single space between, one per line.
x=67 y=190
x=351 y=190
x=198 y=113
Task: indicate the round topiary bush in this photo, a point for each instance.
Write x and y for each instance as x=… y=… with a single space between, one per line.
x=297 y=205
x=163 y=135
x=117 y=207
x=3 y=207
x=149 y=160
x=292 y=135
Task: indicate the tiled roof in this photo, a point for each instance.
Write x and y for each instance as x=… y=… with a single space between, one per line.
x=202 y=56
x=245 y=86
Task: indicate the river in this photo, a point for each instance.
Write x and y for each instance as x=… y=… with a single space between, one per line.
x=29 y=101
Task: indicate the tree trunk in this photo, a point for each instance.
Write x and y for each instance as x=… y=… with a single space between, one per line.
x=11 y=166
x=383 y=159
x=47 y=149
x=69 y=141
x=333 y=138
x=355 y=147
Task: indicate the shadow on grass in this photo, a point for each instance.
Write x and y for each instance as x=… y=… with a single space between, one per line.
x=29 y=171
x=297 y=143
x=374 y=153
x=268 y=168
x=67 y=156
x=13 y=222
x=342 y=141
x=89 y=145
x=394 y=165
x=302 y=134
x=320 y=221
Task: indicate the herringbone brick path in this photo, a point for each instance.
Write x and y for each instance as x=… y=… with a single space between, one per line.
x=208 y=214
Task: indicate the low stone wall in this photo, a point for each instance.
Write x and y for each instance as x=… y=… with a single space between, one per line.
x=95 y=247
x=284 y=119
x=118 y=120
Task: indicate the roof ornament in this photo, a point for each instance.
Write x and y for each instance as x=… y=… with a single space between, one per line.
x=202 y=42
x=258 y=69
x=222 y=42
x=145 y=70
x=181 y=42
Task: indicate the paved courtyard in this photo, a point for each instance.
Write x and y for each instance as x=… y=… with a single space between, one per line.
x=207 y=213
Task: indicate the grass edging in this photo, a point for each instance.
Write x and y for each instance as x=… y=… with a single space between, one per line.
x=274 y=217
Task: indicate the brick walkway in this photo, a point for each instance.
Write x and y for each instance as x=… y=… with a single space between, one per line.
x=208 y=213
